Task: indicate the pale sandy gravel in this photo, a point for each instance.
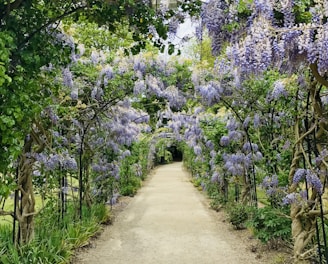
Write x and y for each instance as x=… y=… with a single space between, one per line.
x=169 y=221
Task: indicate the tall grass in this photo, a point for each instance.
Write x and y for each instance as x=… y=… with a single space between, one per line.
x=56 y=237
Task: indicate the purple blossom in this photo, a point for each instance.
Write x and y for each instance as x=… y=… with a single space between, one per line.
x=113 y=200
x=94 y=57
x=235 y=163
x=53 y=161
x=213 y=154
x=257 y=120
x=258 y=156
x=97 y=168
x=173 y=25
x=199 y=32
x=270 y=182
x=97 y=93
x=139 y=87
x=289 y=199
x=250 y=147
x=224 y=141
x=137 y=169
x=75 y=93
x=67 y=78
x=154 y=85
x=235 y=135
x=214 y=177
x=139 y=65
x=279 y=90
x=264 y=7
x=299 y=175
x=125 y=154
x=171 y=93
x=210 y=92
x=232 y=125
x=69 y=163
x=198 y=110
x=52 y=115
x=246 y=122
x=40 y=157
x=197 y=150
x=314 y=181
x=271 y=192
x=209 y=145
x=322 y=156
x=108 y=74
x=304 y=194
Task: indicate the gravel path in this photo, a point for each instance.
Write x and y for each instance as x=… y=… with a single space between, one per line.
x=168 y=221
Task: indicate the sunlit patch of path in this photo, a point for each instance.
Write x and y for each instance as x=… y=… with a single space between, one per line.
x=168 y=222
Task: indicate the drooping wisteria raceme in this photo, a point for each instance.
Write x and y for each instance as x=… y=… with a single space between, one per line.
x=274 y=31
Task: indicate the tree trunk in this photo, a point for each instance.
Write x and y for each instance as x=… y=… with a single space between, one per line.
x=303 y=231
x=26 y=208
x=304 y=216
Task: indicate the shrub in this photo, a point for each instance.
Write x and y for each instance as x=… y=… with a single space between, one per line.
x=270 y=225
x=238 y=215
x=130 y=187
x=218 y=200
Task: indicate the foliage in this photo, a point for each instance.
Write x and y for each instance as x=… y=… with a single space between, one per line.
x=55 y=239
x=163 y=155
x=238 y=214
x=130 y=187
x=270 y=225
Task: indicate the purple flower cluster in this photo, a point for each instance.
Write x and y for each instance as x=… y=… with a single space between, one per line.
x=311 y=177
x=67 y=78
x=290 y=198
x=107 y=73
x=217 y=178
x=114 y=169
x=257 y=120
x=139 y=87
x=175 y=99
x=250 y=147
x=100 y=166
x=137 y=168
x=299 y=175
x=270 y=184
x=173 y=25
x=224 y=141
x=232 y=124
x=314 y=181
x=154 y=85
x=235 y=164
x=279 y=90
x=210 y=92
x=56 y=161
x=198 y=150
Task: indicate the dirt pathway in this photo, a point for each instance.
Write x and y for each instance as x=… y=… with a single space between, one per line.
x=168 y=221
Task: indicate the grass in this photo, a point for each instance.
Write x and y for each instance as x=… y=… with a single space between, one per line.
x=262 y=197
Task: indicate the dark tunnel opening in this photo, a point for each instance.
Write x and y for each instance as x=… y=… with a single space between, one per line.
x=176 y=153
